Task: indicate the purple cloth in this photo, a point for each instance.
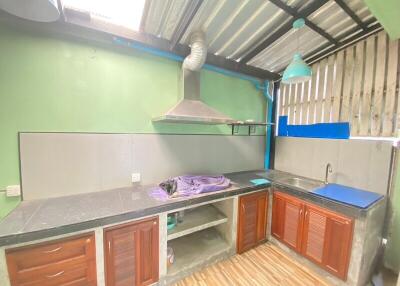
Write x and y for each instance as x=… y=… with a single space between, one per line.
x=193 y=185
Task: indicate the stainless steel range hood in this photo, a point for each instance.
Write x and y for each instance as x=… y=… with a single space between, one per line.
x=190 y=109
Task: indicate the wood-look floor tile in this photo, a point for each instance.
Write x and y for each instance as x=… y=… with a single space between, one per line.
x=263 y=265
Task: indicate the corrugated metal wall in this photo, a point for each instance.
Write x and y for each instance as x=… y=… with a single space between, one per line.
x=359 y=84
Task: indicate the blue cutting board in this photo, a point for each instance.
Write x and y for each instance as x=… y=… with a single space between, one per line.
x=347 y=195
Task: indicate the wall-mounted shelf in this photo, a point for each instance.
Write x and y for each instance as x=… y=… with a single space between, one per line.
x=250 y=124
x=197 y=219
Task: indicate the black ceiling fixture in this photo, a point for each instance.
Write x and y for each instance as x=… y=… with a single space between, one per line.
x=286 y=28
x=293 y=12
x=353 y=15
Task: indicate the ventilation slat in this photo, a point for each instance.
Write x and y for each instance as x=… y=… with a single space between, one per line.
x=379 y=85
x=358 y=77
x=338 y=86
x=359 y=85
x=368 y=81
x=329 y=88
x=320 y=91
x=314 y=82
x=391 y=86
x=347 y=85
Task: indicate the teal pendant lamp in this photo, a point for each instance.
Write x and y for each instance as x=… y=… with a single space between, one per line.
x=297 y=71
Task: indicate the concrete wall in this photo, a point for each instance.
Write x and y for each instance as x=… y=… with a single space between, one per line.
x=363 y=164
x=60 y=164
x=392 y=252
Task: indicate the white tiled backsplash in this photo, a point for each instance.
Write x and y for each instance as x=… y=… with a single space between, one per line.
x=356 y=163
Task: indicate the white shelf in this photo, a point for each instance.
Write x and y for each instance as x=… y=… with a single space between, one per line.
x=196 y=250
x=197 y=219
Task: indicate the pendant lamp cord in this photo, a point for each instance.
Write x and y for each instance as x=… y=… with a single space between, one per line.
x=298 y=40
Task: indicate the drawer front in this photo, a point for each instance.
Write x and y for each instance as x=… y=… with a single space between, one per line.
x=65 y=262
x=59 y=274
x=34 y=256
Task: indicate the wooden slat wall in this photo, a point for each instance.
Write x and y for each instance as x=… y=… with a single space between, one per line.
x=359 y=84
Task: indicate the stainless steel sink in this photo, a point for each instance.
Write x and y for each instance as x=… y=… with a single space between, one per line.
x=302 y=183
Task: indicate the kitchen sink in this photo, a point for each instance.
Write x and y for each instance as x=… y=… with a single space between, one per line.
x=302 y=183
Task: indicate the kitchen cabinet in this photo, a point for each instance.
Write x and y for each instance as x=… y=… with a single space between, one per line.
x=131 y=253
x=320 y=235
x=252 y=220
x=70 y=261
x=287 y=220
x=327 y=239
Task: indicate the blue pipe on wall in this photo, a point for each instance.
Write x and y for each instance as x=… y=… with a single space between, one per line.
x=270 y=100
x=175 y=57
x=171 y=56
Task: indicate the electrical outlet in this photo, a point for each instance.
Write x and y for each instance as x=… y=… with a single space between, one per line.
x=135 y=177
x=13 y=191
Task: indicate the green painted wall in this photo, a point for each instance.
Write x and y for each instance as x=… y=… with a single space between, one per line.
x=387 y=13
x=50 y=84
x=392 y=253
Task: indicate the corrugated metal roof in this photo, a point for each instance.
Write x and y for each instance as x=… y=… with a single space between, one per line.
x=234 y=27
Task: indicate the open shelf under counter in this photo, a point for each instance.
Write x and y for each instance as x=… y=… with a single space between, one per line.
x=194 y=251
x=197 y=219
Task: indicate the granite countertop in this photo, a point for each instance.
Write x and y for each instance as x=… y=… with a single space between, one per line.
x=39 y=219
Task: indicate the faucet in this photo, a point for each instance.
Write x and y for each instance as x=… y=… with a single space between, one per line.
x=328 y=169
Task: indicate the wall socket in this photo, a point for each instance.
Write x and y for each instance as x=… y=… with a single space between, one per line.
x=135 y=177
x=13 y=191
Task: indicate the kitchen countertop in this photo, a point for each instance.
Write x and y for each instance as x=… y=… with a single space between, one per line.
x=39 y=219
x=315 y=197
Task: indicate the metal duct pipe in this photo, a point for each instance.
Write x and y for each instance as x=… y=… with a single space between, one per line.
x=198 y=53
x=35 y=10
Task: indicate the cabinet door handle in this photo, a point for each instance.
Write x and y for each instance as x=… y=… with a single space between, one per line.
x=55 y=275
x=53 y=250
x=109 y=246
x=301 y=212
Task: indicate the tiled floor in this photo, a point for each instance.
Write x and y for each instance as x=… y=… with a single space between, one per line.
x=264 y=265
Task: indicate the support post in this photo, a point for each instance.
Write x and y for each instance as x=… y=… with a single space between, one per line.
x=270 y=101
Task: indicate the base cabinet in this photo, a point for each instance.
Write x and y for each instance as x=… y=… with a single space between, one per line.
x=320 y=235
x=287 y=220
x=70 y=261
x=252 y=218
x=131 y=253
x=327 y=239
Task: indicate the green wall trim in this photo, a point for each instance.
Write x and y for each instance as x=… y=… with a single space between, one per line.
x=55 y=85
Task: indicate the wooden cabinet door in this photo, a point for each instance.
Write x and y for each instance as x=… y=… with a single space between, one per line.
x=131 y=253
x=314 y=234
x=287 y=220
x=278 y=216
x=338 y=241
x=327 y=239
x=252 y=220
x=148 y=252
